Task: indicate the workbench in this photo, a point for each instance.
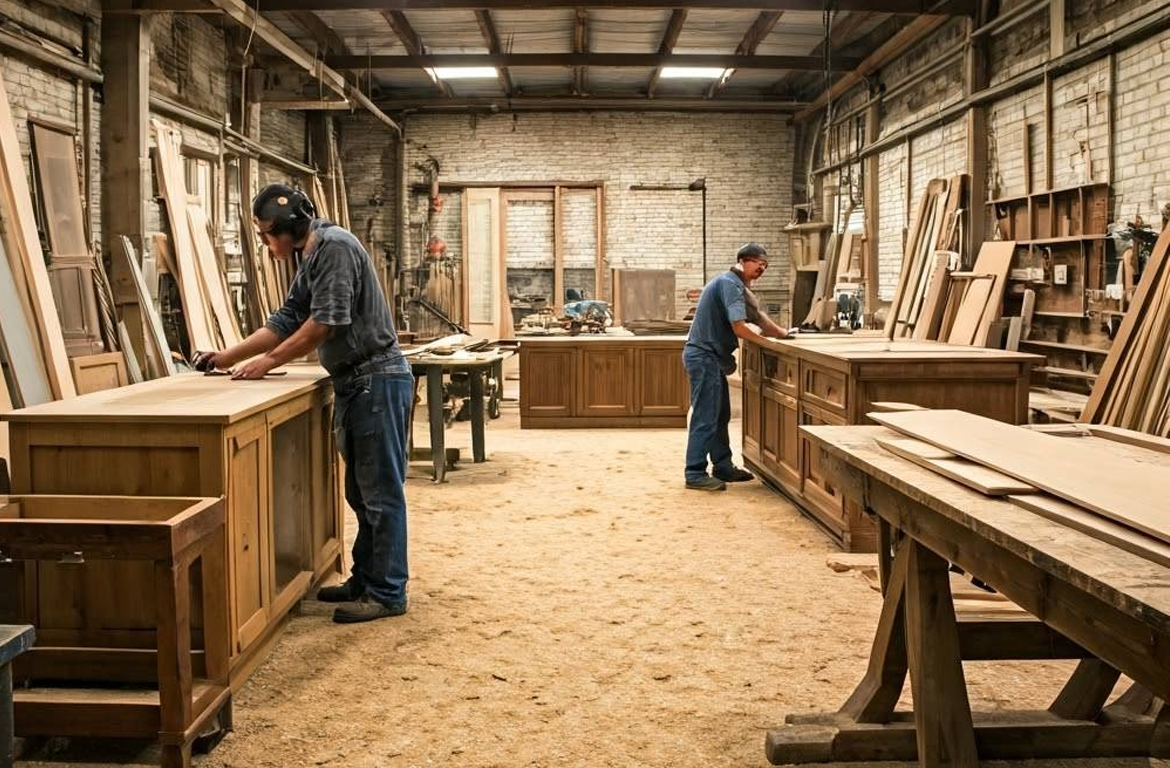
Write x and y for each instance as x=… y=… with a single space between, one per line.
x=14 y=640
x=1084 y=599
x=266 y=446
x=434 y=367
x=835 y=379
x=602 y=380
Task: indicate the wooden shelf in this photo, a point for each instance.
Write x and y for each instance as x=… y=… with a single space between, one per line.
x=1047 y=192
x=1068 y=347
x=1059 y=314
x=1060 y=240
x=1066 y=372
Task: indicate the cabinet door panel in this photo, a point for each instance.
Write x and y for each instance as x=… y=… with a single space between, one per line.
x=752 y=417
x=248 y=519
x=663 y=387
x=547 y=382
x=607 y=382
x=823 y=498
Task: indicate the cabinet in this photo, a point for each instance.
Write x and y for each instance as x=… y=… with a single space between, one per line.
x=603 y=381
x=834 y=380
x=266 y=446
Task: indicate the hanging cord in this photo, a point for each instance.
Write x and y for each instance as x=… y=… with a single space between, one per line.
x=827 y=70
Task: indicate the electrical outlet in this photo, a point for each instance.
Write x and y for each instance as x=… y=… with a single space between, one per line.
x=1060 y=274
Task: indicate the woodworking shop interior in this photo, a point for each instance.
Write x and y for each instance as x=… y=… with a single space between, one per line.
x=629 y=384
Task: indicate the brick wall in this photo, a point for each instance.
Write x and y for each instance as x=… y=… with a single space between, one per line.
x=35 y=91
x=284 y=131
x=369 y=157
x=1141 y=174
x=747 y=160
x=188 y=62
x=892 y=190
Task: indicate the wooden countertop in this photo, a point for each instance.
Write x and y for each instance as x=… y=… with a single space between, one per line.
x=868 y=348
x=186 y=398
x=597 y=338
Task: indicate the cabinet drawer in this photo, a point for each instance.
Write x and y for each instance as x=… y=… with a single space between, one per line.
x=824 y=388
x=778 y=373
x=822 y=498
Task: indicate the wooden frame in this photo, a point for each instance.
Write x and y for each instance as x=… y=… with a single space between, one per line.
x=94 y=373
x=186 y=686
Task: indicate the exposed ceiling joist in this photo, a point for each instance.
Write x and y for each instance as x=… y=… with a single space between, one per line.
x=327 y=39
x=414 y=46
x=760 y=29
x=844 y=30
x=910 y=34
x=273 y=36
x=580 y=45
x=491 y=37
x=570 y=103
x=952 y=7
x=669 y=39
x=642 y=60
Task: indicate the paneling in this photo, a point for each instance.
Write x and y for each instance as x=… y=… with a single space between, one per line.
x=606 y=381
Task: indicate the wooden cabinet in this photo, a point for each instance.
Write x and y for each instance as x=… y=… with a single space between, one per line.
x=266 y=446
x=834 y=380
x=603 y=381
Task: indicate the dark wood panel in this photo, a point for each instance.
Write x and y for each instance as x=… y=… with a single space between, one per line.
x=663 y=388
x=606 y=383
x=547 y=382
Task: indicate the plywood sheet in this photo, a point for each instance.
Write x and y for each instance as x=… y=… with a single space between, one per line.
x=1096 y=526
x=1086 y=473
x=975 y=476
x=158 y=354
x=212 y=276
x=19 y=342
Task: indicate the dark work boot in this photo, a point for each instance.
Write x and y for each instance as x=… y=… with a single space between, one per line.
x=340 y=593
x=706 y=484
x=366 y=608
x=735 y=475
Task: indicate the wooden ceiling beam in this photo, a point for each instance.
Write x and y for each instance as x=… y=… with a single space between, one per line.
x=948 y=7
x=669 y=39
x=414 y=46
x=844 y=32
x=580 y=46
x=491 y=37
x=640 y=60
x=572 y=103
x=757 y=32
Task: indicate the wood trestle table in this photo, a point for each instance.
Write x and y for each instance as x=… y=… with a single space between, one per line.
x=1085 y=599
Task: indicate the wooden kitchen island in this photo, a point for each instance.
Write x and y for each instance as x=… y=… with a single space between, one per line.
x=266 y=446
x=830 y=379
x=602 y=381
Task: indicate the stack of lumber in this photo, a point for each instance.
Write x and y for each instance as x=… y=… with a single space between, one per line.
x=1101 y=481
x=923 y=281
x=1133 y=388
x=207 y=308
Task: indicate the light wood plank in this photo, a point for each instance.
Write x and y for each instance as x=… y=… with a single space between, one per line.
x=1130 y=437
x=1096 y=526
x=1083 y=472
x=975 y=476
x=27 y=259
x=158 y=353
x=212 y=276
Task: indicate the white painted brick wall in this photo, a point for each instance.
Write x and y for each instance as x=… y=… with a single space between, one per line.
x=747 y=160
x=1141 y=182
x=893 y=187
x=529 y=234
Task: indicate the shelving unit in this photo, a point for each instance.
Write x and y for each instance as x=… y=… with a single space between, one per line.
x=1062 y=233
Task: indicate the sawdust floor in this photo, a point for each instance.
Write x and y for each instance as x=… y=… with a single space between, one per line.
x=573 y=605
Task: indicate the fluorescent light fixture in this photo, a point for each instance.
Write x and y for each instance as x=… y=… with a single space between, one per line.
x=692 y=73
x=464 y=73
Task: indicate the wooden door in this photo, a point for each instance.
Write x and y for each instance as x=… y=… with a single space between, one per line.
x=547 y=382
x=248 y=518
x=485 y=302
x=606 y=381
x=663 y=389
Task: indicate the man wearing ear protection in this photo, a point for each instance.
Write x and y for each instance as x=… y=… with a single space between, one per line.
x=336 y=306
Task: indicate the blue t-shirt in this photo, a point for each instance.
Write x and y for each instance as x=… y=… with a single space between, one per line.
x=721 y=304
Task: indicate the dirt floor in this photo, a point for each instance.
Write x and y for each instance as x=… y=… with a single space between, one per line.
x=573 y=605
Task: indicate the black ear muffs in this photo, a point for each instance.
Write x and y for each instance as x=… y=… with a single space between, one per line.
x=286 y=208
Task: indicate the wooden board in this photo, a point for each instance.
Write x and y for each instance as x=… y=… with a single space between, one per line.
x=210 y=273
x=986 y=481
x=158 y=354
x=1096 y=526
x=1079 y=471
x=133 y=369
x=995 y=258
x=930 y=317
x=201 y=333
x=26 y=258
x=95 y=373
x=1130 y=437
x=973 y=305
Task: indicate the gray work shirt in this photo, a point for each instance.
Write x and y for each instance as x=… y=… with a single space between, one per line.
x=336 y=286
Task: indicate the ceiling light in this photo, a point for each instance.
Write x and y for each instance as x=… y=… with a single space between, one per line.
x=692 y=73
x=464 y=73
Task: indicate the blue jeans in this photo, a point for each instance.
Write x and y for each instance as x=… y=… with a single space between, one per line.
x=710 y=415
x=371 y=420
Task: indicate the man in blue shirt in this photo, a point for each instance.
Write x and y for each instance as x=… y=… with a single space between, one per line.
x=721 y=319
x=335 y=305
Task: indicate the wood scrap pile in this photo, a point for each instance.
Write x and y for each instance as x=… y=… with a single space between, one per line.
x=1098 y=480
x=920 y=305
x=1133 y=388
